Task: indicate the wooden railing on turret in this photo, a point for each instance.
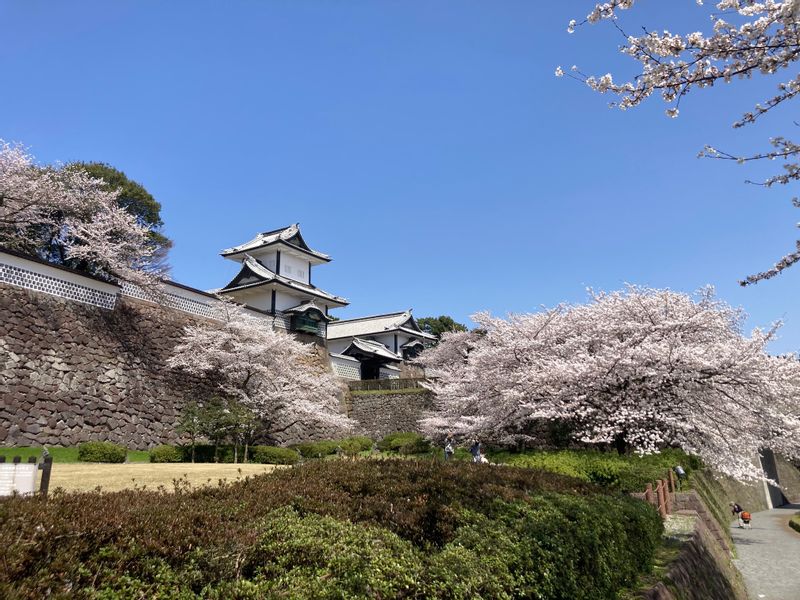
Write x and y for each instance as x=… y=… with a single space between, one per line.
x=386 y=384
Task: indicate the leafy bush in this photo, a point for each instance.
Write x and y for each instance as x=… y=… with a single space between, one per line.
x=274 y=455
x=349 y=447
x=166 y=454
x=334 y=529
x=404 y=443
x=627 y=473
x=357 y=561
x=102 y=452
x=362 y=442
x=317 y=449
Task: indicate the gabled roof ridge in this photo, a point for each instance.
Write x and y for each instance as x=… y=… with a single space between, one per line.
x=279 y=229
x=277 y=236
x=373 y=347
x=383 y=316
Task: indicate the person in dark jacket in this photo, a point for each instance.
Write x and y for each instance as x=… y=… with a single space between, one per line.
x=736 y=511
x=475 y=450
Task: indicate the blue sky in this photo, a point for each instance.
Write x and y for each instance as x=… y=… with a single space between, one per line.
x=427 y=146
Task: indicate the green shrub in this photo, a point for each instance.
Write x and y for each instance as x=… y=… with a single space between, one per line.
x=357 y=561
x=626 y=473
x=349 y=446
x=166 y=454
x=317 y=449
x=418 y=446
x=334 y=529
x=404 y=442
x=274 y=455
x=363 y=443
x=102 y=452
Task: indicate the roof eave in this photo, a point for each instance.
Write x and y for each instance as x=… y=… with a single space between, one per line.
x=410 y=332
x=339 y=302
x=323 y=258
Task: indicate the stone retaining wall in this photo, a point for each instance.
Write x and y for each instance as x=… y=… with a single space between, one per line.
x=789 y=478
x=380 y=413
x=71 y=372
x=702 y=571
x=692 y=502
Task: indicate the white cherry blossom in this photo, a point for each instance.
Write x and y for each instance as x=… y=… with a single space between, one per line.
x=746 y=38
x=641 y=368
x=284 y=381
x=40 y=205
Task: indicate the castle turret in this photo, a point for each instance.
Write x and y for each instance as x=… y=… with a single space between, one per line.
x=275 y=277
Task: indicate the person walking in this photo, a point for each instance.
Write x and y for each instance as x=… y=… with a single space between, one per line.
x=736 y=511
x=744 y=520
x=449 y=447
x=475 y=450
x=681 y=473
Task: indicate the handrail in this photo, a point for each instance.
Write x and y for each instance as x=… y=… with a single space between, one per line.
x=386 y=384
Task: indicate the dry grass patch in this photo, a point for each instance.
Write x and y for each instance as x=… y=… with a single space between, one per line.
x=111 y=478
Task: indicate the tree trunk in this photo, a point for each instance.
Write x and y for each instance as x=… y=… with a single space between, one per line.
x=621 y=444
x=246 y=444
x=235 y=453
x=192 y=450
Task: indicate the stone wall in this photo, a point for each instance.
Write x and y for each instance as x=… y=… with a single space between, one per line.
x=382 y=412
x=703 y=570
x=71 y=372
x=789 y=479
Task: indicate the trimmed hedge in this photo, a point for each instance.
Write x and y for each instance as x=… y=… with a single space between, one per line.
x=166 y=454
x=359 y=442
x=334 y=529
x=405 y=442
x=316 y=449
x=349 y=446
x=102 y=452
x=274 y=455
x=627 y=473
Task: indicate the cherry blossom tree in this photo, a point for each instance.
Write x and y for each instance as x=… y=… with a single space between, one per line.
x=282 y=380
x=746 y=38
x=42 y=207
x=642 y=369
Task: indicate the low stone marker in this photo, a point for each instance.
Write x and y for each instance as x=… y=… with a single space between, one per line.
x=20 y=478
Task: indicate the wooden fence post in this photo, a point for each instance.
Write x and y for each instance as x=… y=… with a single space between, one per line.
x=672 y=481
x=670 y=495
x=46 y=467
x=648 y=493
x=662 y=501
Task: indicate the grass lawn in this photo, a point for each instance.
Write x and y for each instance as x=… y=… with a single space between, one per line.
x=88 y=476
x=65 y=455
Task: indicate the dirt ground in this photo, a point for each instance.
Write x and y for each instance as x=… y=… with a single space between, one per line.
x=113 y=477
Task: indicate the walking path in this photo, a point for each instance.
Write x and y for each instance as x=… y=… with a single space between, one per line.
x=768 y=555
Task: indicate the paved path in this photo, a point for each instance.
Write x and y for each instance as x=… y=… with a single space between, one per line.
x=769 y=555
